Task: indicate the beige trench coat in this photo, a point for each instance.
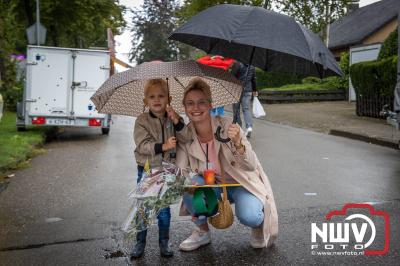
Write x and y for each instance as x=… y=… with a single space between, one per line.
x=245 y=169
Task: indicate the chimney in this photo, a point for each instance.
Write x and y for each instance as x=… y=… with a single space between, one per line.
x=352 y=6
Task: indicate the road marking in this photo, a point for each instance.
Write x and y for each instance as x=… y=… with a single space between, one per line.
x=53 y=220
x=310 y=194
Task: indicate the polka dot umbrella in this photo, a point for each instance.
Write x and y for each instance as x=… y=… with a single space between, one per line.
x=123 y=92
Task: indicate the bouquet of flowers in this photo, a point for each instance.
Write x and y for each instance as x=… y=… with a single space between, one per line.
x=159 y=188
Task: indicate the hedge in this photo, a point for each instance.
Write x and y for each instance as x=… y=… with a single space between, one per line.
x=270 y=80
x=374 y=77
x=389 y=46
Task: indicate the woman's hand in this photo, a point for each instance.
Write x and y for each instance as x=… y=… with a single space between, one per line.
x=234 y=134
x=172 y=114
x=170 y=144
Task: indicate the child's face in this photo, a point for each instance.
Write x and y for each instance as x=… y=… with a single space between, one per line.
x=156 y=99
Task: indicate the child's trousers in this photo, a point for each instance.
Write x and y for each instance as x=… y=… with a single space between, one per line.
x=164 y=216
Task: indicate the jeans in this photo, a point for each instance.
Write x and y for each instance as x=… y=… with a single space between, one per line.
x=248 y=208
x=245 y=102
x=164 y=216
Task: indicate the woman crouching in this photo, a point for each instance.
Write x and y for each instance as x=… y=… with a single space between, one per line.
x=254 y=201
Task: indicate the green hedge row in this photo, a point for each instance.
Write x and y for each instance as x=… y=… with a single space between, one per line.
x=389 y=46
x=271 y=80
x=374 y=77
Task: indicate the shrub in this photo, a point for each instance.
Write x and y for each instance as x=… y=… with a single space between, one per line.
x=374 y=77
x=10 y=88
x=269 y=79
x=387 y=75
x=312 y=80
x=389 y=47
x=345 y=66
x=333 y=83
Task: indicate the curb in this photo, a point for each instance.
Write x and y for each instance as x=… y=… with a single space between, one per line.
x=382 y=142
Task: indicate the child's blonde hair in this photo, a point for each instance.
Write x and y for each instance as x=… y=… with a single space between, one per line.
x=154 y=82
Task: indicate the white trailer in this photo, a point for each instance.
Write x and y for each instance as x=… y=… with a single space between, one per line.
x=59 y=84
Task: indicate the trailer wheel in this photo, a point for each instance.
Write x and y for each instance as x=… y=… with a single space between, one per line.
x=21 y=128
x=105 y=130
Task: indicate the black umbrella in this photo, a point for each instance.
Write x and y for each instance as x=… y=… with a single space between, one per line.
x=259 y=37
x=256 y=36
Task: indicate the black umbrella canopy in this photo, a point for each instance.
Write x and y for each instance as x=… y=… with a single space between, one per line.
x=263 y=38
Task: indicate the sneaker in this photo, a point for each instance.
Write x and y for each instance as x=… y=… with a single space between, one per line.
x=248 y=131
x=257 y=238
x=197 y=239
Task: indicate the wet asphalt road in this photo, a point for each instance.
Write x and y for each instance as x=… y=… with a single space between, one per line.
x=65 y=209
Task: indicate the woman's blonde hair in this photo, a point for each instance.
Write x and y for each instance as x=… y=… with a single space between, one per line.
x=155 y=82
x=198 y=84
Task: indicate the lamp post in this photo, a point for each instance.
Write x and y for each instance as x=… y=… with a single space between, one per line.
x=328 y=21
x=37 y=22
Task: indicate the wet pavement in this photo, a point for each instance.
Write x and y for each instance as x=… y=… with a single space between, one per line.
x=336 y=118
x=66 y=208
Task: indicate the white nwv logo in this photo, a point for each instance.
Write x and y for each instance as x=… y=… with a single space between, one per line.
x=340 y=232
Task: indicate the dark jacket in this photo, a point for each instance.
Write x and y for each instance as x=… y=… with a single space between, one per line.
x=249 y=84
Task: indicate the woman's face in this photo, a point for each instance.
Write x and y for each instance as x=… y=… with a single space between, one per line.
x=197 y=107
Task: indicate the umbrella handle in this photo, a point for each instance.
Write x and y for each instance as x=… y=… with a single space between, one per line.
x=217 y=135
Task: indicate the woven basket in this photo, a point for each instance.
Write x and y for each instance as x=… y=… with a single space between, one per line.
x=224 y=218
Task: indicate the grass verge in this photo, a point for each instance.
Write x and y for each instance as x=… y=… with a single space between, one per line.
x=311 y=83
x=300 y=87
x=17 y=147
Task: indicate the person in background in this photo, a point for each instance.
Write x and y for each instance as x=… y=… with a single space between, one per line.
x=249 y=91
x=221 y=62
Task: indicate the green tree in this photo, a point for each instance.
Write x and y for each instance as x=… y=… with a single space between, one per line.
x=313 y=13
x=152 y=24
x=192 y=7
x=74 y=23
x=69 y=23
x=9 y=29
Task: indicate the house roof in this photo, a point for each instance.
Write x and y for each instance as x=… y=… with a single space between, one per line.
x=362 y=22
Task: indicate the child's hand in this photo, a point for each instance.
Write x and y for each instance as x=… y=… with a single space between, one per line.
x=170 y=144
x=172 y=114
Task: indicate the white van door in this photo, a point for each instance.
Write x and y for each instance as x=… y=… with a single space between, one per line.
x=48 y=81
x=91 y=69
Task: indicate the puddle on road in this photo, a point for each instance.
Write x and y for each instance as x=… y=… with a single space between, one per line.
x=113 y=255
x=3 y=186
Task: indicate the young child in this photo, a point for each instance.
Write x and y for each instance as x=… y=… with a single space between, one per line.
x=155 y=140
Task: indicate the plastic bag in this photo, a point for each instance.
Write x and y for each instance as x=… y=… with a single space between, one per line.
x=157 y=189
x=258 y=110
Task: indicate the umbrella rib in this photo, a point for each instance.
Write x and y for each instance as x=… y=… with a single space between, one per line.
x=180 y=83
x=222 y=86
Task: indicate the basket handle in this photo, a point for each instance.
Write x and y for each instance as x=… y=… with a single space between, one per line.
x=224 y=191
